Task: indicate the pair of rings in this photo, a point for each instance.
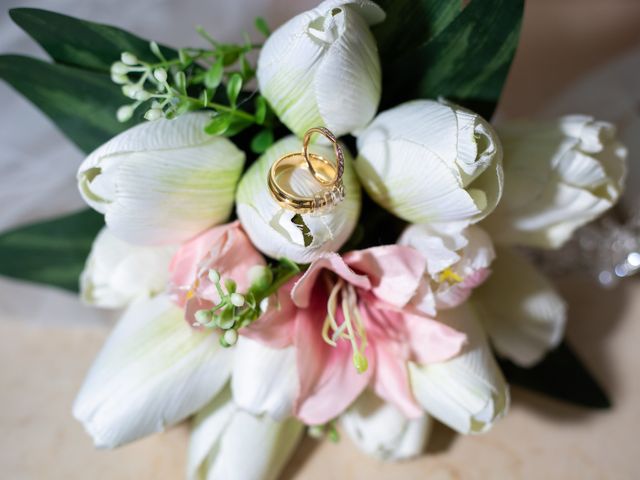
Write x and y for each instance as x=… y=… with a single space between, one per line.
x=326 y=173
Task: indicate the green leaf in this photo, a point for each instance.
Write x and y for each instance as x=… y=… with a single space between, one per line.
x=233 y=88
x=219 y=124
x=560 y=375
x=82 y=104
x=237 y=125
x=81 y=43
x=262 y=27
x=261 y=109
x=262 y=141
x=428 y=19
x=467 y=62
x=246 y=69
x=52 y=252
x=213 y=77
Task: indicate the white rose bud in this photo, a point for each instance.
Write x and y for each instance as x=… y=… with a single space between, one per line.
x=322 y=68
x=559 y=175
x=118 y=272
x=279 y=232
x=162 y=182
x=427 y=161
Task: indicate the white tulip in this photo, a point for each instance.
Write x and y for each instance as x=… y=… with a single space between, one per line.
x=271 y=228
x=381 y=430
x=427 y=161
x=559 y=176
x=154 y=371
x=458 y=260
x=228 y=443
x=321 y=68
x=468 y=393
x=118 y=272
x=521 y=311
x=164 y=181
x=264 y=379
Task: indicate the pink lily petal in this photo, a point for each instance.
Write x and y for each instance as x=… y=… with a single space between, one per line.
x=275 y=328
x=432 y=341
x=395 y=271
x=184 y=264
x=457 y=294
x=301 y=293
x=329 y=382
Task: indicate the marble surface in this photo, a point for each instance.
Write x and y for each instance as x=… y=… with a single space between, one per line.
x=48 y=341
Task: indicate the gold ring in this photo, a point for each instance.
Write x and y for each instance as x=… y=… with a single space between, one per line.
x=328 y=175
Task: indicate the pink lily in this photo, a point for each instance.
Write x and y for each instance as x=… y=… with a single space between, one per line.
x=353 y=310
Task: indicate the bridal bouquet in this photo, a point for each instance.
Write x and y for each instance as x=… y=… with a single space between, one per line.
x=331 y=239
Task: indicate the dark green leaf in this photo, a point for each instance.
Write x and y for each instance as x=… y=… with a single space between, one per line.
x=213 y=77
x=233 y=88
x=82 y=104
x=246 y=68
x=560 y=375
x=180 y=79
x=237 y=125
x=261 y=109
x=411 y=23
x=51 y=252
x=467 y=62
x=81 y=43
x=262 y=141
x=219 y=124
x=262 y=27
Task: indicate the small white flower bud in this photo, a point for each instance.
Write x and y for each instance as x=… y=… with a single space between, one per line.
x=214 y=276
x=131 y=90
x=142 y=95
x=316 y=431
x=231 y=337
x=124 y=113
x=129 y=58
x=119 y=68
x=160 y=75
x=260 y=277
x=237 y=299
x=203 y=316
x=153 y=114
x=119 y=78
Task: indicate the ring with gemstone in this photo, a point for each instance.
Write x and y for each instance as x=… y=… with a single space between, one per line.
x=325 y=172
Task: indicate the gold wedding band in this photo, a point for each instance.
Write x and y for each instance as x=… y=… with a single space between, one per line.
x=326 y=173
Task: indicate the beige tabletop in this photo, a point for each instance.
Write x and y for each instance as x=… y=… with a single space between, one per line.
x=42 y=365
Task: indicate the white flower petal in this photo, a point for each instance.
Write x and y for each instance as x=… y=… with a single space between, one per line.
x=560 y=175
x=521 y=311
x=153 y=371
x=307 y=62
x=271 y=228
x=264 y=379
x=231 y=444
x=117 y=272
x=468 y=393
x=428 y=162
x=381 y=430
x=164 y=181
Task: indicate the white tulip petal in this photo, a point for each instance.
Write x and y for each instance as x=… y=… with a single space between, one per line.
x=152 y=372
x=560 y=175
x=272 y=229
x=429 y=162
x=521 y=311
x=117 y=272
x=348 y=81
x=231 y=444
x=468 y=393
x=164 y=181
x=264 y=379
x=381 y=430
x=307 y=62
